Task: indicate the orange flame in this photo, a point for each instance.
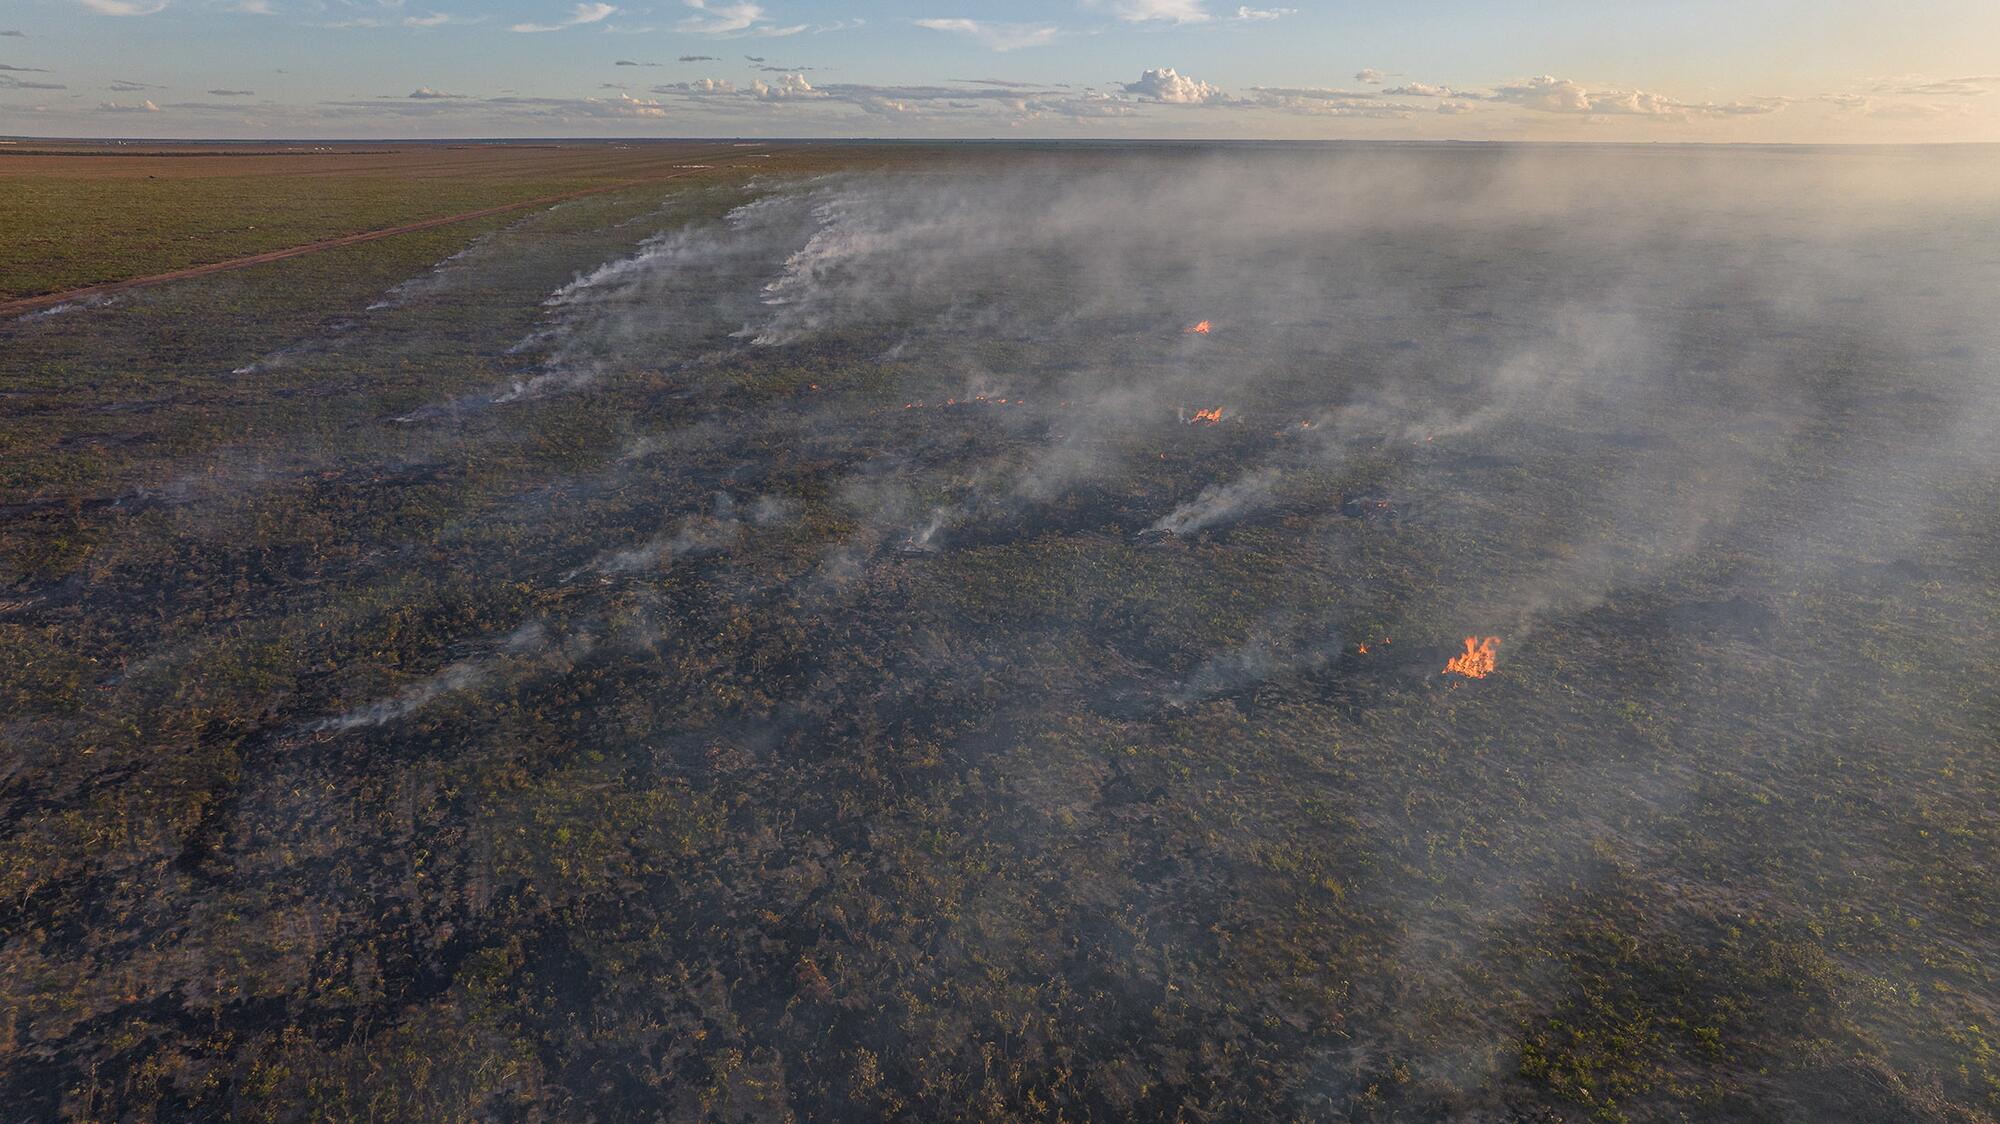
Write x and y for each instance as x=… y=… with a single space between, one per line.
x=1478 y=660
x=1200 y=329
x=1210 y=416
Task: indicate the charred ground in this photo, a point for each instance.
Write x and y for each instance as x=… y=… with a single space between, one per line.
x=556 y=669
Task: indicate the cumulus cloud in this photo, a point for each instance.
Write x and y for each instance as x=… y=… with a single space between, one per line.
x=1165 y=85
x=998 y=36
x=581 y=14
x=788 y=86
x=699 y=87
x=124 y=7
x=1548 y=94
x=1247 y=14
x=120 y=107
x=425 y=93
x=1370 y=76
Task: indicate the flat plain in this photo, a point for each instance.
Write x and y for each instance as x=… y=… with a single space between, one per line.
x=939 y=632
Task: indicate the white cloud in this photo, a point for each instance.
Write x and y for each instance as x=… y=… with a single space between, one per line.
x=722 y=18
x=425 y=93
x=1418 y=90
x=123 y=7
x=1872 y=106
x=1319 y=102
x=699 y=86
x=1165 y=85
x=119 y=107
x=1550 y=94
x=788 y=86
x=624 y=105
x=1161 y=11
x=1370 y=75
x=1561 y=95
x=1248 y=14
x=435 y=19
x=581 y=14
x=1970 y=87
x=1076 y=107
x=998 y=36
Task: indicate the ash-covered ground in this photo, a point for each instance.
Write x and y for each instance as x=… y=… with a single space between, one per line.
x=1356 y=633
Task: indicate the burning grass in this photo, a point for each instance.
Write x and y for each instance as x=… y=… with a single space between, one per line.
x=1478 y=660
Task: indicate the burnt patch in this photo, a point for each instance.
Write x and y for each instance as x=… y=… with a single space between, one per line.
x=1371 y=505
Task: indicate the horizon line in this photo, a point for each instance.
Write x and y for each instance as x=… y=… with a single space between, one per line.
x=1290 y=142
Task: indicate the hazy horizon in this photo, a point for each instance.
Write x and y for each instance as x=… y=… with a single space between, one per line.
x=1765 y=71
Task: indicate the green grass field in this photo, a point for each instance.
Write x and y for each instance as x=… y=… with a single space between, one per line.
x=76 y=219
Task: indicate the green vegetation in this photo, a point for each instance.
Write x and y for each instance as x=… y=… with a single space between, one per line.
x=76 y=220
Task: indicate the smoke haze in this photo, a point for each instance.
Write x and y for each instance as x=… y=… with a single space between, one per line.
x=840 y=644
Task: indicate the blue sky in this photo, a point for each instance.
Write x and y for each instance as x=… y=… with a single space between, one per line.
x=1670 y=70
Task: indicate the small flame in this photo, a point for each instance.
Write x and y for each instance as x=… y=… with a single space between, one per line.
x=1210 y=416
x=1478 y=660
x=1200 y=329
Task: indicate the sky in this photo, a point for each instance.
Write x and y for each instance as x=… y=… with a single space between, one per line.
x=1747 y=71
